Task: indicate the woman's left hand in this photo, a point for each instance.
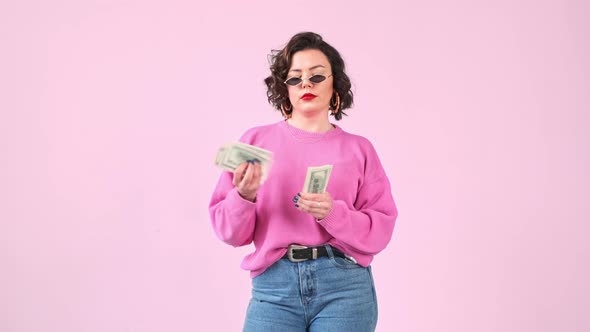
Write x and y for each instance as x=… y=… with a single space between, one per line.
x=318 y=205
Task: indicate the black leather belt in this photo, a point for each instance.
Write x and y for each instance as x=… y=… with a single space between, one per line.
x=297 y=253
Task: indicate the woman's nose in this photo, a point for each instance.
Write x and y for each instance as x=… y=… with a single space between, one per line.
x=306 y=83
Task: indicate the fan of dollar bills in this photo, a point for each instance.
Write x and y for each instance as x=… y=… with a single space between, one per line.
x=231 y=155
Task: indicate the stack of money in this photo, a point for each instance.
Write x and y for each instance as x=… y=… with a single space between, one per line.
x=231 y=155
x=317 y=178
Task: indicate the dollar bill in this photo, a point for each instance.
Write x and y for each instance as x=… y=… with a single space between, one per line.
x=231 y=155
x=317 y=178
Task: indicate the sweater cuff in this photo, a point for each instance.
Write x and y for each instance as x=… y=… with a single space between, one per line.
x=334 y=217
x=237 y=202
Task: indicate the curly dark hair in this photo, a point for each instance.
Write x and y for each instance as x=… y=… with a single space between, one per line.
x=280 y=63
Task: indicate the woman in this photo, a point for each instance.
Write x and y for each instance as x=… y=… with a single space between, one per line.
x=310 y=267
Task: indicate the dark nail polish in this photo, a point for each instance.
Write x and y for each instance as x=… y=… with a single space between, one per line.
x=295 y=199
x=296 y=205
x=255 y=160
x=299 y=194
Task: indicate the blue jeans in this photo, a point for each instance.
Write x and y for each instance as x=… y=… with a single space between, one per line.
x=326 y=294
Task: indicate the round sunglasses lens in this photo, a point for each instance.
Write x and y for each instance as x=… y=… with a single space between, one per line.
x=293 y=81
x=317 y=78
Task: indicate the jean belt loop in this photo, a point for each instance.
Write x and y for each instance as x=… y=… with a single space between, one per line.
x=329 y=250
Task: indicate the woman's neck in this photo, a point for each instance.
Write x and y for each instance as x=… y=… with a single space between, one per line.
x=311 y=124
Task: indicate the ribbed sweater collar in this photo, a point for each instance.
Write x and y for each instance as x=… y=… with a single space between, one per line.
x=308 y=136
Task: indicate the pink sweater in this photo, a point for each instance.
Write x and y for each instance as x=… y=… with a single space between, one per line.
x=361 y=220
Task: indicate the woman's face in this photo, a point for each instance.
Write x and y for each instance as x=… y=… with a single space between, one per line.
x=307 y=97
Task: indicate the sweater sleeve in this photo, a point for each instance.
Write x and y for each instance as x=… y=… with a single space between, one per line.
x=367 y=226
x=233 y=218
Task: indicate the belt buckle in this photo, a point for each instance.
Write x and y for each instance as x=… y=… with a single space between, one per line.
x=290 y=253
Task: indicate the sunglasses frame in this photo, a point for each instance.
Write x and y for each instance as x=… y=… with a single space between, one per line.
x=308 y=78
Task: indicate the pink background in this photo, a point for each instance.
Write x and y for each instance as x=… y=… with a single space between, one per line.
x=112 y=111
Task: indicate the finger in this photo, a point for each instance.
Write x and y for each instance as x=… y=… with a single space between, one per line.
x=254 y=176
x=315 y=197
x=257 y=173
x=247 y=180
x=309 y=206
x=303 y=207
x=300 y=203
x=239 y=173
x=324 y=199
x=312 y=209
x=308 y=196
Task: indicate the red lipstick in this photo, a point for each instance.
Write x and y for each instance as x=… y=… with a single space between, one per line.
x=308 y=96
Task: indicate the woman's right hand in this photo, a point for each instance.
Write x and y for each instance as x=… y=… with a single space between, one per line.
x=247 y=178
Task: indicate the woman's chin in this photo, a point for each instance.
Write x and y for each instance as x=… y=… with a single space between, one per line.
x=311 y=110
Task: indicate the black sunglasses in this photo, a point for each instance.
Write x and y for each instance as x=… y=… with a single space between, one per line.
x=293 y=81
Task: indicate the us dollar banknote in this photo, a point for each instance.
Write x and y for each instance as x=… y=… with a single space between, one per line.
x=231 y=155
x=317 y=178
